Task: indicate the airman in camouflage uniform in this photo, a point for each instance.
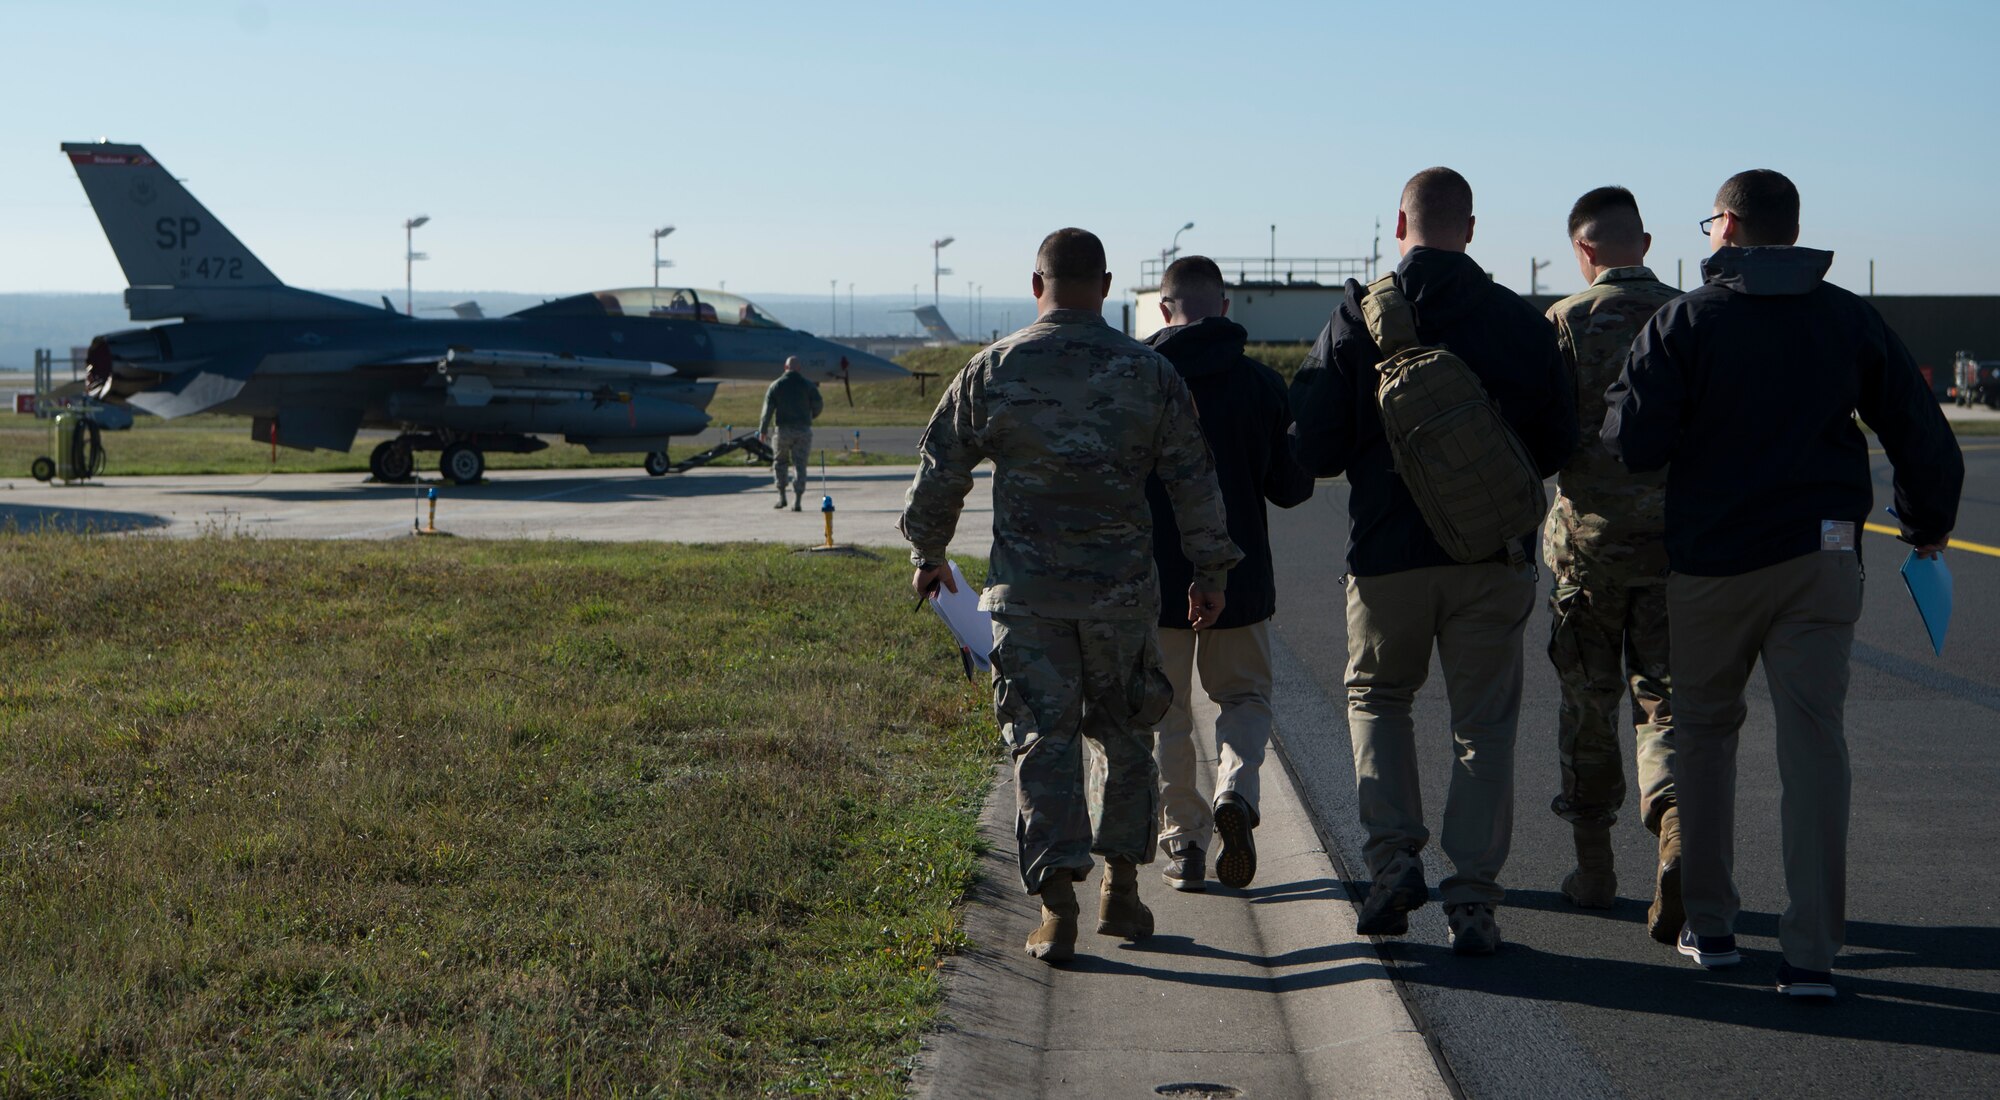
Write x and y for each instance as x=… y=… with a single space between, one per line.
x=1604 y=544
x=790 y=407
x=1074 y=416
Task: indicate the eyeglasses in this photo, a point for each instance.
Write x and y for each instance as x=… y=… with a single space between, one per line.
x=1710 y=220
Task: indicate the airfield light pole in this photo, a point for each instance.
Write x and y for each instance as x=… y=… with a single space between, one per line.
x=657 y=262
x=410 y=258
x=1174 y=249
x=937 y=272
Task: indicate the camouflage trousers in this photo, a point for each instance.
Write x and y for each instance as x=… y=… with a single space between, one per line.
x=1057 y=682
x=1610 y=639
x=791 y=448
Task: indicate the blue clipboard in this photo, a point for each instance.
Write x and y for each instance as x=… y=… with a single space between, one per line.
x=1929 y=581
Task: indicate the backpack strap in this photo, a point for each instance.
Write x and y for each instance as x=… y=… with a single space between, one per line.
x=1391 y=319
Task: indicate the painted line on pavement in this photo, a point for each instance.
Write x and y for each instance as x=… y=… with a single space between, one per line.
x=1878 y=452
x=1956 y=544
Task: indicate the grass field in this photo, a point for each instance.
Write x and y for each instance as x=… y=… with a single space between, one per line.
x=901 y=403
x=454 y=818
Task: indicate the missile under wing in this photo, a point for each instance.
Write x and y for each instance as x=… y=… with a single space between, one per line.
x=619 y=371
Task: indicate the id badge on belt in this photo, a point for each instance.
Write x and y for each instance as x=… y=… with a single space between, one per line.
x=1836 y=534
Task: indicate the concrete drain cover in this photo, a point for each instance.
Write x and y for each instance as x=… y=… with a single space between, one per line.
x=1191 y=1090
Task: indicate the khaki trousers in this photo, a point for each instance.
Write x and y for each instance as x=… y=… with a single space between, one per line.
x=1799 y=616
x=1235 y=669
x=1473 y=615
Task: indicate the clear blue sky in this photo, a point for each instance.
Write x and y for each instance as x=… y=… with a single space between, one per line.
x=794 y=143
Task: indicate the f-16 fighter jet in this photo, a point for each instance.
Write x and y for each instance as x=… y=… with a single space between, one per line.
x=614 y=371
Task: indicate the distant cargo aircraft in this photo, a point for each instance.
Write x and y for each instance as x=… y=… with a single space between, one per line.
x=616 y=371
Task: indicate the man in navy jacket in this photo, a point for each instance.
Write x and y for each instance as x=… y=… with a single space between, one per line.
x=1406 y=595
x=1244 y=416
x=1748 y=386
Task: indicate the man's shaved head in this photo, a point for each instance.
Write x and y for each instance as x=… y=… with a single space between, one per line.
x=1437 y=204
x=1070 y=254
x=1192 y=289
x=791 y=362
x=1607 y=216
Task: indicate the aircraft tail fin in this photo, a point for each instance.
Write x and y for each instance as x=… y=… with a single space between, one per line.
x=162 y=235
x=934 y=323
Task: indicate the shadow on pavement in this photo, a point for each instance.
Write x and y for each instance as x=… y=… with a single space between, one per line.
x=1316 y=889
x=31 y=519
x=1871 y=1006
x=1168 y=946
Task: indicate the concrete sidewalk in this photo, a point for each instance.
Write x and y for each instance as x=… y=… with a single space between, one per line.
x=722 y=503
x=1267 y=991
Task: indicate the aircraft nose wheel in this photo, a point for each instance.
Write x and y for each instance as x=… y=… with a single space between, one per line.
x=656 y=463
x=391 y=461
x=462 y=463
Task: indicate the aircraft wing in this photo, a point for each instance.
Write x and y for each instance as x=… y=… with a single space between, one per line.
x=523 y=362
x=508 y=364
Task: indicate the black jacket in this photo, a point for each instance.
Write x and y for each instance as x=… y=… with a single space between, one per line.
x=1243 y=412
x=1510 y=346
x=1748 y=386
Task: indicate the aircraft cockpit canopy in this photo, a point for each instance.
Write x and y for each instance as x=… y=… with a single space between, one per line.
x=670 y=303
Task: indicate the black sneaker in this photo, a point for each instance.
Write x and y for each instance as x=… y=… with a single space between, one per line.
x=1798 y=982
x=1712 y=952
x=1187 y=869
x=1236 y=865
x=1472 y=928
x=1397 y=890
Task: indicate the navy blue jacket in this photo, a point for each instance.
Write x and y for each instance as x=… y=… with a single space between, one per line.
x=1748 y=385
x=1510 y=346
x=1243 y=412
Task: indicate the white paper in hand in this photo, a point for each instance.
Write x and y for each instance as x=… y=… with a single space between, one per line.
x=972 y=627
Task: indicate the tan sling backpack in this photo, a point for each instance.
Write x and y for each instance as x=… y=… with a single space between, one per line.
x=1470 y=475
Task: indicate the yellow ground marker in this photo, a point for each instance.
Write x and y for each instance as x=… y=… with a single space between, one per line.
x=1956 y=543
x=1963 y=447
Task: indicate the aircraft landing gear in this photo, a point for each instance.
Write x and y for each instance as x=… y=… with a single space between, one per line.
x=462 y=463
x=392 y=462
x=656 y=463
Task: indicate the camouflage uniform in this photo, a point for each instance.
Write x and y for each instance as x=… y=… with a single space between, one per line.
x=790 y=406
x=1074 y=416
x=1605 y=548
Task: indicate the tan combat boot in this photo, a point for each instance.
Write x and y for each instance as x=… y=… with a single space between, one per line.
x=1593 y=885
x=1664 y=919
x=1055 y=940
x=1119 y=911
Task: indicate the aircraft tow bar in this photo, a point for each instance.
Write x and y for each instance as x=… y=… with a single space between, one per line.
x=748 y=441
